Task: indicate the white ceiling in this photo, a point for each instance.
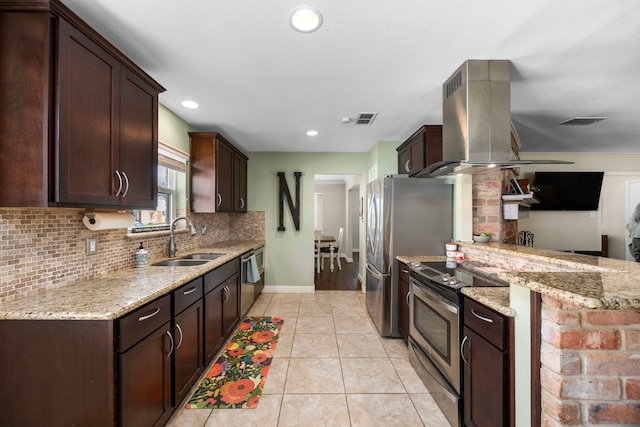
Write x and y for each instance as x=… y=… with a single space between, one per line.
x=263 y=85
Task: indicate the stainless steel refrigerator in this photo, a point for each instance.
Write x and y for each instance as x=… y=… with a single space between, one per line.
x=405 y=216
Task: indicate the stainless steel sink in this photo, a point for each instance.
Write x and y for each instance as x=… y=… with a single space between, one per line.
x=208 y=257
x=180 y=262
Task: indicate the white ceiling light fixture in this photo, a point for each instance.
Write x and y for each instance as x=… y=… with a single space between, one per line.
x=312 y=132
x=190 y=104
x=305 y=19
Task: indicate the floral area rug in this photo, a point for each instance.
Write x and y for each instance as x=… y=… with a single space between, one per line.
x=237 y=378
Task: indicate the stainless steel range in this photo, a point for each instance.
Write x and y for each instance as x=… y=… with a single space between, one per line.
x=436 y=326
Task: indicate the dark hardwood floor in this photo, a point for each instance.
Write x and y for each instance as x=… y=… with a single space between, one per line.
x=340 y=280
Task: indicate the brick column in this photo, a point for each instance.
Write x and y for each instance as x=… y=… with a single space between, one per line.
x=590 y=365
x=487 y=190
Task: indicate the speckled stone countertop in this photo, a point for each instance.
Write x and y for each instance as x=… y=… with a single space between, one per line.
x=117 y=293
x=587 y=281
x=496 y=298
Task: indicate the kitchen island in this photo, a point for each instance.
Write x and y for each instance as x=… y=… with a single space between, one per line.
x=577 y=326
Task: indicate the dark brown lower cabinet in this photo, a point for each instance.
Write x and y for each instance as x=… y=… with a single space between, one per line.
x=145 y=380
x=188 y=353
x=484 y=376
x=487 y=359
x=221 y=306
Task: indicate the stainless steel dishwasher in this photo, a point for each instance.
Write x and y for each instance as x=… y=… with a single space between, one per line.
x=252 y=278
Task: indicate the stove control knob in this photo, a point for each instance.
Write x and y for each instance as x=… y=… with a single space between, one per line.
x=446 y=277
x=453 y=281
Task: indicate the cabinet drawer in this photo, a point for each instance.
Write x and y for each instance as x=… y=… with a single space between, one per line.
x=137 y=325
x=187 y=294
x=487 y=323
x=403 y=272
x=213 y=278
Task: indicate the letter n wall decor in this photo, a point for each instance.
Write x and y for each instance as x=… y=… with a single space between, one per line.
x=294 y=208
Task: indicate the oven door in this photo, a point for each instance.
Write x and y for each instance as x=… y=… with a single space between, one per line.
x=435 y=327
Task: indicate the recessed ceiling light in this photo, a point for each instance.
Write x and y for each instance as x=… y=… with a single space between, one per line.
x=312 y=132
x=305 y=19
x=190 y=104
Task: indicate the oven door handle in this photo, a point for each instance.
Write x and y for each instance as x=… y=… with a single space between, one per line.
x=431 y=296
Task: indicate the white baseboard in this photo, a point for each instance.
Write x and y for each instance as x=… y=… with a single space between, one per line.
x=289 y=289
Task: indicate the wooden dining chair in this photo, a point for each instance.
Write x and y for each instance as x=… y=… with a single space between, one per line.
x=318 y=253
x=335 y=248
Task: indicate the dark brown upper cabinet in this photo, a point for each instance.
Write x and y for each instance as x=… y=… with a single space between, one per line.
x=218 y=173
x=422 y=148
x=79 y=119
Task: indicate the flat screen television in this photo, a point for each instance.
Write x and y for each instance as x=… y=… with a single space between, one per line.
x=568 y=191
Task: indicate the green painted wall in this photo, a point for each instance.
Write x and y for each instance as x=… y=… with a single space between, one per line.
x=172 y=130
x=289 y=260
x=383 y=159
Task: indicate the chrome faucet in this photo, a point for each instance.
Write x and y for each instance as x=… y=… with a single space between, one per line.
x=172 y=242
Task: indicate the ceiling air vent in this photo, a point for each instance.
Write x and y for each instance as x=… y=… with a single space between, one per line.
x=582 y=121
x=365 y=118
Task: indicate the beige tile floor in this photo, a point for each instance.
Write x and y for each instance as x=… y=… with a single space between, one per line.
x=331 y=368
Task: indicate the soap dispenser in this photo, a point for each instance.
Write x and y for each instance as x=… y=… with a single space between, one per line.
x=141 y=256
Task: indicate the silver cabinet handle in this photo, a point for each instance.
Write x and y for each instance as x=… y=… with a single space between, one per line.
x=117 y=174
x=227 y=294
x=219 y=199
x=170 y=339
x=407 y=165
x=407 y=298
x=145 y=317
x=464 y=340
x=126 y=181
x=241 y=203
x=404 y=271
x=179 y=330
x=189 y=291
x=486 y=319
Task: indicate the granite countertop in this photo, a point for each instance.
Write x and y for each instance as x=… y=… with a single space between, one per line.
x=112 y=295
x=496 y=298
x=587 y=281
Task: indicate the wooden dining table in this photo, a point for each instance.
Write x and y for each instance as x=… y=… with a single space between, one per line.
x=329 y=241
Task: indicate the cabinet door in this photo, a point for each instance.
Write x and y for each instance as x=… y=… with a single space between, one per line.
x=403 y=301
x=232 y=304
x=145 y=381
x=138 y=154
x=88 y=81
x=485 y=402
x=224 y=176
x=239 y=183
x=404 y=160
x=213 y=322
x=188 y=353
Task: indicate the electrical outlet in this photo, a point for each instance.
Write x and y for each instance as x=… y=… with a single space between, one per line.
x=92 y=246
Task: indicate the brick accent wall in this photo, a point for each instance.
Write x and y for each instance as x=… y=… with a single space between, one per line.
x=590 y=373
x=487 y=190
x=42 y=248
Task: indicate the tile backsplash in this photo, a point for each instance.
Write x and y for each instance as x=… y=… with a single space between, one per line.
x=45 y=247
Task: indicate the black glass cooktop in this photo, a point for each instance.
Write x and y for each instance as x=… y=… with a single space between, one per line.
x=455 y=275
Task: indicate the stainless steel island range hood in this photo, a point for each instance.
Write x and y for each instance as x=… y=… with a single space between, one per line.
x=476 y=121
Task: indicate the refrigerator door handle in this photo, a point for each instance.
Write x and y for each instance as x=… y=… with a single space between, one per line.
x=374 y=273
x=373 y=224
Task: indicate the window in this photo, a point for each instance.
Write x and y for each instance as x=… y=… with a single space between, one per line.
x=171 y=191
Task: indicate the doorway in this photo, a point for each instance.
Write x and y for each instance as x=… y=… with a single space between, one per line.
x=337 y=206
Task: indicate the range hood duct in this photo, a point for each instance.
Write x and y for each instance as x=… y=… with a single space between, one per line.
x=476 y=120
